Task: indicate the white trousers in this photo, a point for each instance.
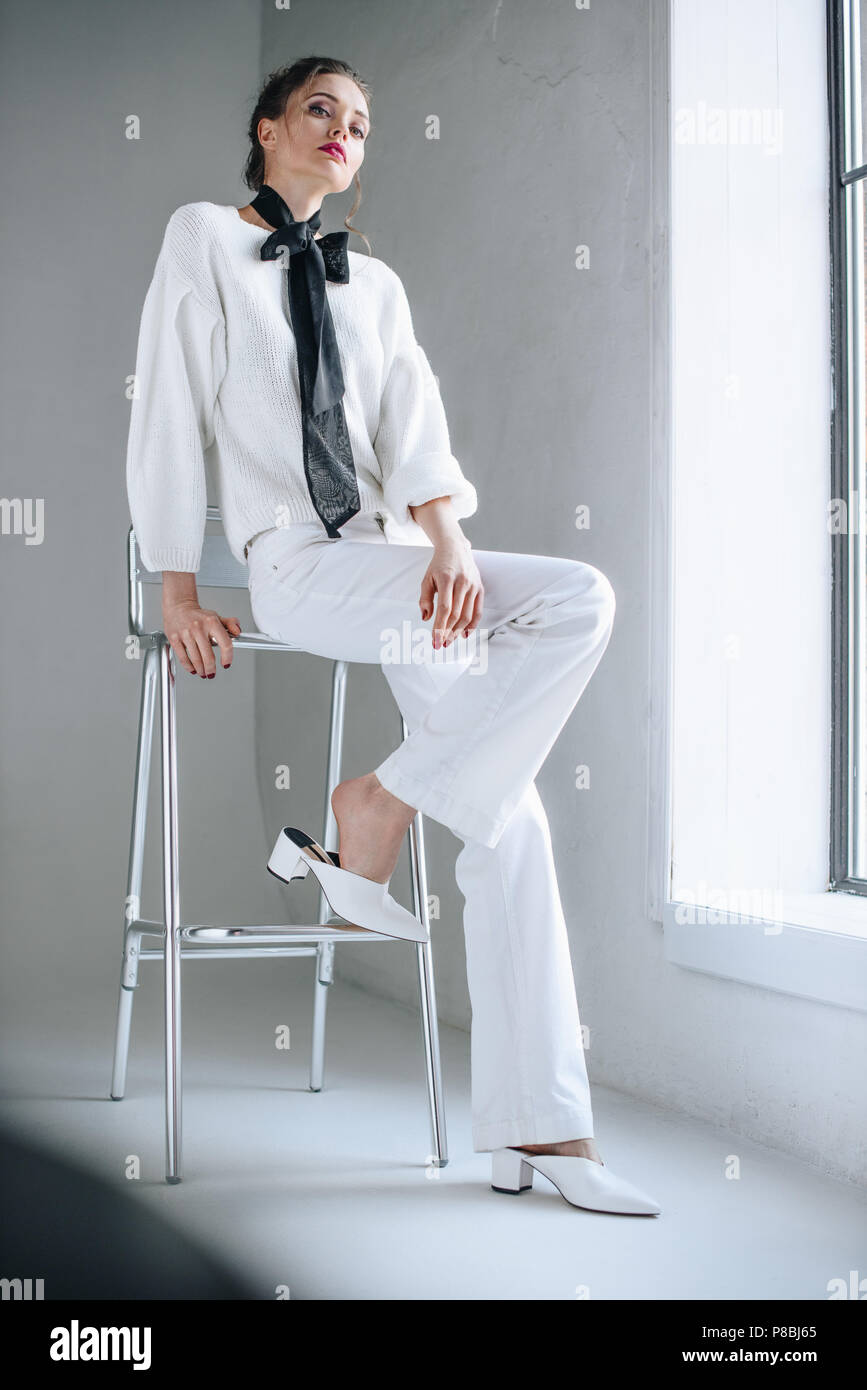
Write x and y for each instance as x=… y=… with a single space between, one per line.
x=482 y=716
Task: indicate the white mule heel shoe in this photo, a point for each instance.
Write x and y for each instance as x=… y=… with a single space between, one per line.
x=582 y=1182
x=359 y=900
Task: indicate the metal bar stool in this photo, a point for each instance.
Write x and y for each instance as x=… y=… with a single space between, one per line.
x=180 y=941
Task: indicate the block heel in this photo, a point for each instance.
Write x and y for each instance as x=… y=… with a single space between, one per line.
x=509 y=1172
x=287 y=861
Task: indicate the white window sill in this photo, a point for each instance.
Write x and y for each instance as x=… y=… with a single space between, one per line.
x=816 y=948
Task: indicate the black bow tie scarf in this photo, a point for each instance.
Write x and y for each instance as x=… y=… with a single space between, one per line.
x=328 y=463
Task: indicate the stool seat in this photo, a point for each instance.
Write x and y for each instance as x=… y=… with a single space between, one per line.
x=181 y=941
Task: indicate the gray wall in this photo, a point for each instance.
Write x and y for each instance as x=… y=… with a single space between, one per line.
x=536 y=154
x=546 y=376
x=82 y=224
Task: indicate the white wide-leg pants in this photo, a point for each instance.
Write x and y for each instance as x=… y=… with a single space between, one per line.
x=482 y=716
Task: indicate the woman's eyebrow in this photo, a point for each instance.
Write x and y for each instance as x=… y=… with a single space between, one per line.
x=363 y=114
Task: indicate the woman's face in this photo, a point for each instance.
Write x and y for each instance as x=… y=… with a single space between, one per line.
x=335 y=115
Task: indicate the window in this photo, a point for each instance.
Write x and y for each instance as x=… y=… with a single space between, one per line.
x=753 y=666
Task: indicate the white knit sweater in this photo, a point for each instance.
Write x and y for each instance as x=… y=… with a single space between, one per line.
x=217 y=380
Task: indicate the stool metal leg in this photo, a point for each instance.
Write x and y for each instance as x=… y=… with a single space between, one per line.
x=132 y=938
x=430 y=1031
x=172 y=911
x=427 y=991
x=325 y=951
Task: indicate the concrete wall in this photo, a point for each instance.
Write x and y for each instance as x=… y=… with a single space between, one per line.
x=543 y=369
x=82 y=225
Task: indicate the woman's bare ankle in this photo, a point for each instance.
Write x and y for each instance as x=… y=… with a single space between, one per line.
x=372 y=823
x=567 y=1148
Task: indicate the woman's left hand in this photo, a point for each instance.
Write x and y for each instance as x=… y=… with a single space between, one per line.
x=452 y=577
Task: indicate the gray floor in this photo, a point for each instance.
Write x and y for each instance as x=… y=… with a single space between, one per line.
x=331 y=1195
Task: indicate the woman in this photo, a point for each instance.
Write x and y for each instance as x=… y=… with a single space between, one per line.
x=296 y=360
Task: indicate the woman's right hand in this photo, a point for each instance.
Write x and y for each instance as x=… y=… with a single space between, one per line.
x=193 y=631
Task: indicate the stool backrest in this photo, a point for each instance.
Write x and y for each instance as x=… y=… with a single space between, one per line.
x=218 y=569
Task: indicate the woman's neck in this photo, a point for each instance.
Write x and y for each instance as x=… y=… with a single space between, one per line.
x=249 y=214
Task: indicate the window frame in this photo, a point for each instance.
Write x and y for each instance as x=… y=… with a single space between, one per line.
x=843 y=706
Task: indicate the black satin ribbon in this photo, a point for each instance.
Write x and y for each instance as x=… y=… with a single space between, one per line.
x=328 y=463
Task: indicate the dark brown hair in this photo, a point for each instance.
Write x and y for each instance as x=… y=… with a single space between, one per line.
x=271 y=103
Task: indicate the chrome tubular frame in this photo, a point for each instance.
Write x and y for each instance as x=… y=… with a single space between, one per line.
x=426 y=989
x=181 y=941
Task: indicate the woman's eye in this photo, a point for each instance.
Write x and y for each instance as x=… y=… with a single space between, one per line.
x=317 y=107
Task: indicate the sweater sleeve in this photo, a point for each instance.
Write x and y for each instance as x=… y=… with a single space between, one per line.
x=412 y=439
x=180 y=363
